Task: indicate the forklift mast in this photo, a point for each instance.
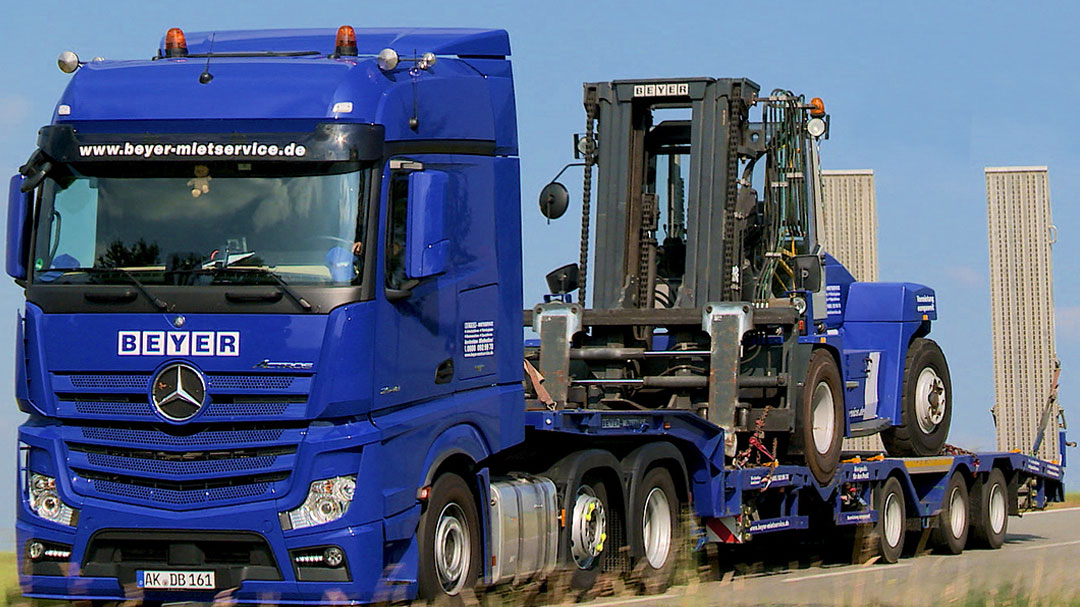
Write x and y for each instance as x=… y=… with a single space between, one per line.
x=678 y=221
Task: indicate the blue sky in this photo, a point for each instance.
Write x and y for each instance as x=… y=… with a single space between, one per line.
x=924 y=93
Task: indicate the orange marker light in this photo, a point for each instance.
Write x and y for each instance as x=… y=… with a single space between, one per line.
x=818 y=109
x=175 y=43
x=345 y=45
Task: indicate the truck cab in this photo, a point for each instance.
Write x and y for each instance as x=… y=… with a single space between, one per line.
x=264 y=276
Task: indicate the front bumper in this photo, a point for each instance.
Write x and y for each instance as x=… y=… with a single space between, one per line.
x=363 y=558
x=162 y=538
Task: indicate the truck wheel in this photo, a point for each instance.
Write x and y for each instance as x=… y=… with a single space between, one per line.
x=822 y=414
x=892 y=520
x=588 y=528
x=990 y=511
x=449 y=539
x=951 y=532
x=662 y=538
x=588 y=525
x=926 y=403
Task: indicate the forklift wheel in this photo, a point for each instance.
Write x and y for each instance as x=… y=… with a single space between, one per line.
x=926 y=404
x=822 y=412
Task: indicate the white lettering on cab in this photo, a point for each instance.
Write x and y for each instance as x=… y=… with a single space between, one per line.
x=178 y=343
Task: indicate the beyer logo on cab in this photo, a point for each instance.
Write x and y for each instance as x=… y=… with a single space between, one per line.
x=178 y=392
x=178 y=343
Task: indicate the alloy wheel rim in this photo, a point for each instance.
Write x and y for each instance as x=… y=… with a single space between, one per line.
x=930 y=402
x=823 y=414
x=453 y=550
x=656 y=527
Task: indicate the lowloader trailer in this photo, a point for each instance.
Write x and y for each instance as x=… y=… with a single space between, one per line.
x=272 y=346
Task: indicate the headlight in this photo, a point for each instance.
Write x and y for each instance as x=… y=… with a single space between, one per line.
x=46 y=502
x=327 y=501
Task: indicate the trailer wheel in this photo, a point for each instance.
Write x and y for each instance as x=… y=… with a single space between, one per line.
x=449 y=539
x=892 y=520
x=951 y=532
x=662 y=537
x=925 y=405
x=822 y=414
x=990 y=510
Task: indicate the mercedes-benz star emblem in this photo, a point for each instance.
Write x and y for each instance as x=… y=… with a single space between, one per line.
x=179 y=391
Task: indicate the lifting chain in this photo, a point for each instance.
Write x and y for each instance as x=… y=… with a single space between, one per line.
x=586 y=191
x=729 y=266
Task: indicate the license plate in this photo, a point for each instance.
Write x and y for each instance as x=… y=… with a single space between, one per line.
x=175 y=580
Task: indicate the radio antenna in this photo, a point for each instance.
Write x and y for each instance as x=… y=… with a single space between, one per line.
x=205 y=77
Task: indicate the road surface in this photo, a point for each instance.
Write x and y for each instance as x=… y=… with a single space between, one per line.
x=1038 y=560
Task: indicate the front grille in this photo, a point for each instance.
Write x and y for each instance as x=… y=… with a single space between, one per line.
x=114 y=408
x=213 y=410
x=126 y=381
x=141 y=381
x=249 y=382
x=240 y=447
x=205 y=438
x=180 y=498
x=181 y=493
x=183 y=467
x=179 y=465
x=126 y=396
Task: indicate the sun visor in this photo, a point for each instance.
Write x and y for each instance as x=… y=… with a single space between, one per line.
x=328 y=142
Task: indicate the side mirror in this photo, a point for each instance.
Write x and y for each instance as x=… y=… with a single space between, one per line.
x=554 y=200
x=563 y=280
x=808 y=271
x=427 y=249
x=17 y=228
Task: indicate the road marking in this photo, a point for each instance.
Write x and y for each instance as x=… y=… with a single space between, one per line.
x=1053 y=511
x=1042 y=546
x=845 y=572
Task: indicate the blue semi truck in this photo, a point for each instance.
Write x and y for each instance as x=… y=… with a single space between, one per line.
x=273 y=347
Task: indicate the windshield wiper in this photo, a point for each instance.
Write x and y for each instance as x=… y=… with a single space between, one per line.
x=258 y=271
x=159 y=303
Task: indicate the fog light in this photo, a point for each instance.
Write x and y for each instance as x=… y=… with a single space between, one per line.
x=334 y=556
x=36 y=550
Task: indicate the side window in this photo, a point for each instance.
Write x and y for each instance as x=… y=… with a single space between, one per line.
x=396 y=228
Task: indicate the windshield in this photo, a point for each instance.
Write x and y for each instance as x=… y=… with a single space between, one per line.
x=306 y=230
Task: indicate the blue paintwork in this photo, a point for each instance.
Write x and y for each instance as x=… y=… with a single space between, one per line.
x=872 y=317
x=426 y=244
x=363 y=401
x=18 y=207
x=467 y=98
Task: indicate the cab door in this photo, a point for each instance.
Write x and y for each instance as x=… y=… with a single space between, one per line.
x=415 y=292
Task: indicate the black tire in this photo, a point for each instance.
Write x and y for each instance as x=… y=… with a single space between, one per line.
x=990 y=510
x=912 y=437
x=587 y=532
x=449 y=518
x=891 y=528
x=822 y=382
x=951 y=533
x=662 y=538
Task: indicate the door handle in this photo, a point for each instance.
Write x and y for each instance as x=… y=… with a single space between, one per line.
x=445 y=371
